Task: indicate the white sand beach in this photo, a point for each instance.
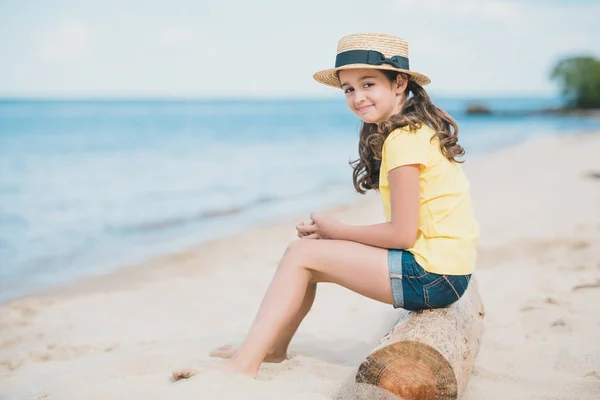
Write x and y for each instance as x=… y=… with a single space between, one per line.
x=119 y=336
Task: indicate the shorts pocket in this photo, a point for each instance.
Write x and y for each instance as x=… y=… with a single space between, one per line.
x=441 y=292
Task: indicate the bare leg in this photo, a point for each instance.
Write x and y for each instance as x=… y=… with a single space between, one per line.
x=282 y=342
x=358 y=267
x=278 y=352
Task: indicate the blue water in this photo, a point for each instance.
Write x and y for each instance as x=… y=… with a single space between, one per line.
x=87 y=186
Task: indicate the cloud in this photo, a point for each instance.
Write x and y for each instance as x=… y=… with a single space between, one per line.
x=174 y=37
x=182 y=38
x=494 y=9
x=68 y=41
x=558 y=3
x=487 y=9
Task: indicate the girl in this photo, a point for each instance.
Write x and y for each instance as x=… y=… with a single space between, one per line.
x=422 y=257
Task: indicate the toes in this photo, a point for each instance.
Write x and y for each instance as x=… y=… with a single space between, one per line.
x=176 y=376
x=225 y=348
x=223 y=351
x=184 y=374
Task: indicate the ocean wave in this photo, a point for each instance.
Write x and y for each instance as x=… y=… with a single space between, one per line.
x=170 y=223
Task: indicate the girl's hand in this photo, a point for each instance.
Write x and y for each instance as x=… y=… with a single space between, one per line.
x=305 y=232
x=323 y=227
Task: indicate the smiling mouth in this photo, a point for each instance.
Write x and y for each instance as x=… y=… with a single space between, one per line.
x=364 y=108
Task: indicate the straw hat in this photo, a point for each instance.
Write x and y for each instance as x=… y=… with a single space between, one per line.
x=372 y=51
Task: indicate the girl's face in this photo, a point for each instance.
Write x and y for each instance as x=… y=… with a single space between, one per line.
x=370 y=94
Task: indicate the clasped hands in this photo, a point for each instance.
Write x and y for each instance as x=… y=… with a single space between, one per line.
x=320 y=226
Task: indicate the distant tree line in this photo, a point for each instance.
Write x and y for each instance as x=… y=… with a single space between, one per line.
x=579 y=81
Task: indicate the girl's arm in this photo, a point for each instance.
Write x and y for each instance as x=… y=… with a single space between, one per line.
x=401 y=232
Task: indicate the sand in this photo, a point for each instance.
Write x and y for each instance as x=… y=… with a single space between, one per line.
x=119 y=336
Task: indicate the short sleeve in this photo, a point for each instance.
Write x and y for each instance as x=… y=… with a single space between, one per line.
x=404 y=147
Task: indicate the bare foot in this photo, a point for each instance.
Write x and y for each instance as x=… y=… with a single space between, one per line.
x=225 y=367
x=228 y=351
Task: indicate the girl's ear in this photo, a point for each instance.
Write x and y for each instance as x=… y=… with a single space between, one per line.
x=401 y=83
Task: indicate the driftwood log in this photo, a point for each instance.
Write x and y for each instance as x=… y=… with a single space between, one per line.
x=427 y=355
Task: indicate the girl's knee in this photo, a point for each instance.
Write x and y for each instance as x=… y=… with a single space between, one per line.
x=301 y=254
x=299 y=249
x=294 y=246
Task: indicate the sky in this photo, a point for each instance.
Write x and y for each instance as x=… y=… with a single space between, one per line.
x=260 y=48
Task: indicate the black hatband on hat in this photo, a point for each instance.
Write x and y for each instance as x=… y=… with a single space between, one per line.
x=370 y=57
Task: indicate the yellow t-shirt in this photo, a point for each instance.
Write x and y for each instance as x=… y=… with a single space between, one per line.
x=448 y=232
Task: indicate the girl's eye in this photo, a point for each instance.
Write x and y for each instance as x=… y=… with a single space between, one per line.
x=365 y=85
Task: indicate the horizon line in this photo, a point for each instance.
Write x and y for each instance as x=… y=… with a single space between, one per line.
x=157 y=97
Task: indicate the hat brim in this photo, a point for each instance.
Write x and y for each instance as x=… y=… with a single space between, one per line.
x=329 y=76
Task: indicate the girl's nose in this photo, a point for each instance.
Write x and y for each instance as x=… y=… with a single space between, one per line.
x=359 y=97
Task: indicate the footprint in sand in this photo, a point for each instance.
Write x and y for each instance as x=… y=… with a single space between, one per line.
x=53 y=352
x=11 y=342
x=592 y=175
x=11 y=365
x=593 y=374
x=495 y=376
x=534 y=306
x=527 y=308
x=551 y=300
x=21 y=313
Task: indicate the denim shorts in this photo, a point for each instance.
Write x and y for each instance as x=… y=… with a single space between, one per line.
x=414 y=288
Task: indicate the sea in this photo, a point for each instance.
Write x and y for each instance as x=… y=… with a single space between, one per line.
x=89 y=186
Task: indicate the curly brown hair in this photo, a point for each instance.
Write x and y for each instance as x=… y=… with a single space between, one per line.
x=417 y=110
